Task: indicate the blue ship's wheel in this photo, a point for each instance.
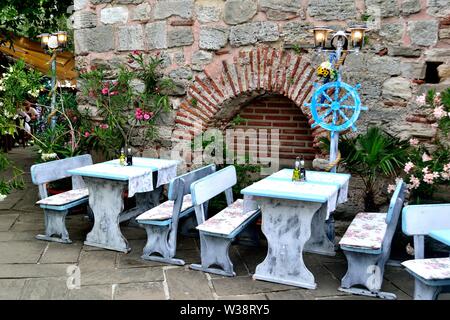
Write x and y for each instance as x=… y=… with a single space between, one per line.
x=336 y=106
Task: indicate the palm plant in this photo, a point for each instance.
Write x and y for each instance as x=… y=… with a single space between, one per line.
x=373 y=155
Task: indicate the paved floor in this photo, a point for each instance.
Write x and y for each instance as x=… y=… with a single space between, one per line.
x=32 y=269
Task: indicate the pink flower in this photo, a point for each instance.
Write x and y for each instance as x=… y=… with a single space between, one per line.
x=414 y=183
x=439 y=112
x=447 y=167
x=391 y=188
x=87 y=134
x=421 y=100
x=138 y=114
x=408 y=167
x=426 y=157
x=445 y=176
x=428 y=178
x=104 y=126
x=437 y=98
x=425 y=170
x=146 y=116
x=434 y=125
x=105 y=91
x=413 y=141
x=114 y=93
x=136 y=52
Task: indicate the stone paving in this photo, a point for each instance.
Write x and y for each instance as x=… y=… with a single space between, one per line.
x=32 y=269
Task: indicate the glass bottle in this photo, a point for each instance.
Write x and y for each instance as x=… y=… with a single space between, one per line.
x=296 y=173
x=302 y=169
x=122 y=157
x=129 y=157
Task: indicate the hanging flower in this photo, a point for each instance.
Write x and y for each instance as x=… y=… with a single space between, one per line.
x=391 y=188
x=439 y=112
x=408 y=167
x=105 y=91
x=421 y=100
x=426 y=157
x=413 y=142
x=414 y=182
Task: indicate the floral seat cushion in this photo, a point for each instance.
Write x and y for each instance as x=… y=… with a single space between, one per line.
x=65 y=197
x=227 y=220
x=429 y=269
x=165 y=210
x=366 y=231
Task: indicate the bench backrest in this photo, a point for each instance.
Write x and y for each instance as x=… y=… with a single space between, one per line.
x=46 y=172
x=188 y=179
x=396 y=204
x=419 y=220
x=207 y=188
x=393 y=215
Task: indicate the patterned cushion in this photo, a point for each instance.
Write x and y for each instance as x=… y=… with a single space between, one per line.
x=227 y=220
x=430 y=269
x=164 y=210
x=65 y=197
x=366 y=231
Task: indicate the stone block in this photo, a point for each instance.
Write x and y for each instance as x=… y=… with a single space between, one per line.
x=384 y=65
x=383 y=8
x=99 y=39
x=114 y=15
x=156 y=35
x=392 y=32
x=297 y=32
x=45 y=289
x=141 y=12
x=129 y=1
x=397 y=87
x=444 y=72
x=423 y=33
x=100 y=1
x=140 y=291
x=200 y=59
x=437 y=54
x=165 y=9
x=444 y=33
x=410 y=6
x=79 y=4
x=438 y=8
x=251 y=33
x=61 y=253
x=7 y=220
x=239 y=11
x=179 y=37
x=207 y=14
x=332 y=9
x=404 y=51
x=84 y=19
x=213 y=38
x=11 y=289
x=130 y=38
x=282 y=9
x=21 y=251
x=413 y=70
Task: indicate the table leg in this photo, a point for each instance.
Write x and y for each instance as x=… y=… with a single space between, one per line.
x=287 y=227
x=319 y=242
x=106 y=202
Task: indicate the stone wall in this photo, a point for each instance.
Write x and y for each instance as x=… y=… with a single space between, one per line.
x=222 y=54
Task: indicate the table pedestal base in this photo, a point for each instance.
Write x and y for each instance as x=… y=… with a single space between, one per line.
x=319 y=242
x=106 y=202
x=287 y=227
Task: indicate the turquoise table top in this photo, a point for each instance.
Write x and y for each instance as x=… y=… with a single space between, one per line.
x=441 y=235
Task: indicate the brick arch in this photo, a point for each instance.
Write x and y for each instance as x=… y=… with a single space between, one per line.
x=252 y=73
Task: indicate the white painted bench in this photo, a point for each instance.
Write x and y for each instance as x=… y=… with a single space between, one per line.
x=57 y=207
x=161 y=222
x=218 y=232
x=367 y=246
x=432 y=276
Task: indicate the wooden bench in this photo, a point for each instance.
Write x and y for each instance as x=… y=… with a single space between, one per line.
x=218 y=232
x=367 y=246
x=161 y=222
x=432 y=276
x=57 y=207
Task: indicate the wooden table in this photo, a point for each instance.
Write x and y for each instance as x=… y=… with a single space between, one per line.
x=293 y=216
x=107 y=182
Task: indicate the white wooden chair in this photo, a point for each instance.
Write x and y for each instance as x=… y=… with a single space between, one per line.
x=367 y=246
x=57 y=207
x=218 y=232
x=432 y=276
x=161 y=222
